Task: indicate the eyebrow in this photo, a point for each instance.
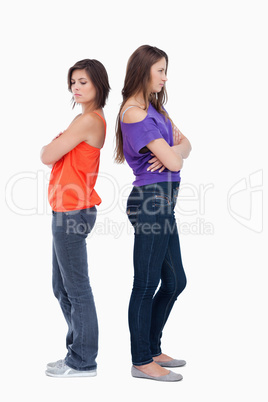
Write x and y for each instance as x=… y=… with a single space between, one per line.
x=79 y=79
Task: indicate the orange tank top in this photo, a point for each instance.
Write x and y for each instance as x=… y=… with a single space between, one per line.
x=73 y=177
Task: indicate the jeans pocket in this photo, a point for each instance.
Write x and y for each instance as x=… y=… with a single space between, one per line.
x=88 y=219
x=175 y=194
x=161 y=200
x=132 y=213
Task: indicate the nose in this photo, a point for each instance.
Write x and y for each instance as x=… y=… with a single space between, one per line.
x=164 y=76
x=76 y=86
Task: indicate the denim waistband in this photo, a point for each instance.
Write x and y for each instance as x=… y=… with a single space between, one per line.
x=86 y=211
x=165 y=187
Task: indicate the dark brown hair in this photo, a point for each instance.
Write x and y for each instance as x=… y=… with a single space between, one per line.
x=137 y=79
x=98 y=76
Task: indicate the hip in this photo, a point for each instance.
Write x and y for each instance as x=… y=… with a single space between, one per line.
x=152 y=200
x=78 y=222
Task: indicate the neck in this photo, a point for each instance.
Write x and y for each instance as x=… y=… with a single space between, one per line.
x=89 y=107
x=139 y=98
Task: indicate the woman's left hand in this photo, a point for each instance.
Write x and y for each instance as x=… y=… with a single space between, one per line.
x=156 y=164
x=176 y=135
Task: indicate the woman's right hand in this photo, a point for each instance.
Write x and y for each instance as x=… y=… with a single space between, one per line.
x=155 y=164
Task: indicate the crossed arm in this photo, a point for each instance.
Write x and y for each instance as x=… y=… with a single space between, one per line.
x=164 y=155
x=181 y=149
x=88 y=128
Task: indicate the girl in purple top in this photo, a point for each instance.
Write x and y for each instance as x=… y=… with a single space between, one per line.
x=154 y=148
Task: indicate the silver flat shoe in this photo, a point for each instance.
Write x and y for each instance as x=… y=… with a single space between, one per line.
x=170 y=377
x=172 y=363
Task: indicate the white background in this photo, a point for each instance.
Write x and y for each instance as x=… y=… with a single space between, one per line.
x=217 y=91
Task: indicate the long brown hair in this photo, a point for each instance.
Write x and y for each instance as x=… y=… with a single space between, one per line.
x=137 y=80
x=98 y=76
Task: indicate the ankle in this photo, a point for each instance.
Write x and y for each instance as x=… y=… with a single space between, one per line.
x=153 y=369
x=162 y=358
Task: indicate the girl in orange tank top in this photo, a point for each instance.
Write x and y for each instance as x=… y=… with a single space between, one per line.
x=73 y=177
x=74 y=156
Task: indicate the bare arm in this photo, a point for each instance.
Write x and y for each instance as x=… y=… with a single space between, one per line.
x=85 y=128
x=166 y=155
x=181 y=143
x=181 y=147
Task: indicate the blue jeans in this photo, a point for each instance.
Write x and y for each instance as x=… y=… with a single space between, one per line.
x=71 y=285
x=157 y=257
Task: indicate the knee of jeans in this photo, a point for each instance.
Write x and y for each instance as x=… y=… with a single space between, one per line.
x=174 y=288
x=182 y=284
x=144 y=289
x=80 y=293
x=58 y=293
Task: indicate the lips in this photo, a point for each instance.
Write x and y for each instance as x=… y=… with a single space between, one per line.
x=77 y=95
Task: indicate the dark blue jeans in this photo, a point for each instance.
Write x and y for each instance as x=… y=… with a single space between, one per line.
x=157 y=258
x=71 y=285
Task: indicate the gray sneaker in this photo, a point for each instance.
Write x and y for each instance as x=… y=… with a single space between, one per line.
x=60 y=369
x=54 y=364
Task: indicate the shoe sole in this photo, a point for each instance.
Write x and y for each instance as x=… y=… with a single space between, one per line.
x=170 y=365
x=82 y=374
x=157 y=378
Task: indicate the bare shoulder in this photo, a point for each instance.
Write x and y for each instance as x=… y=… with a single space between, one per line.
x=89 y=125
x=133 y=114
x=91 y=120
x=95 y=128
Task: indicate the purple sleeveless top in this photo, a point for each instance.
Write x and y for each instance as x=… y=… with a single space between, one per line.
x=136 y=136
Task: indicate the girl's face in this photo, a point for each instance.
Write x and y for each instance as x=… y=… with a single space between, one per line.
x=82 y=88
x=158 y=76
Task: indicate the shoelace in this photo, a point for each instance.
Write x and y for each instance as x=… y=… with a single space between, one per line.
x=60 y=363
